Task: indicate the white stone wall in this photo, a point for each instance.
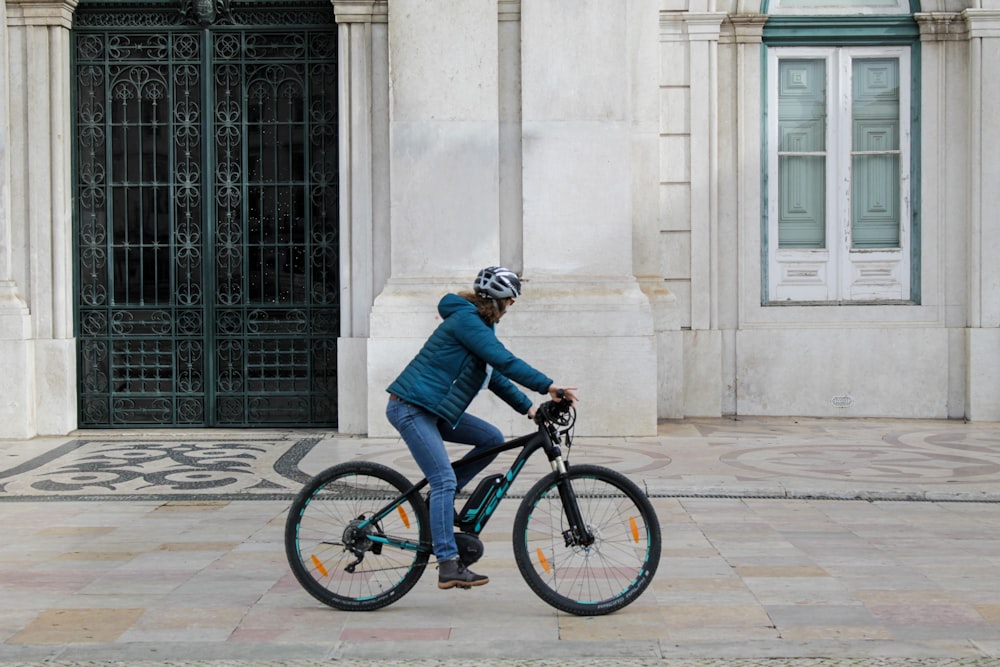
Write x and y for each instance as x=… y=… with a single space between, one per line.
x=739 y=357
x=611 y=152
x=584 y=318
x=39 y=349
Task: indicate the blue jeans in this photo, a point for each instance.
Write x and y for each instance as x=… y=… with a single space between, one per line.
x=425 y=433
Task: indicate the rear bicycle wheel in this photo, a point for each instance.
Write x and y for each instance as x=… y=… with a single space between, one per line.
x=330 y=547
x=580 y=576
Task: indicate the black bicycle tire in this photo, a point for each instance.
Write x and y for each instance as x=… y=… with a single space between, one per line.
x=526 y=560
x=304 y=573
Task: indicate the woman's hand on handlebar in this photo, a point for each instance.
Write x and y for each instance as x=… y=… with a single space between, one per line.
x=559 y=393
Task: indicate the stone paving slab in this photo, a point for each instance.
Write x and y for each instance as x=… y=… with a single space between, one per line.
x=797 y=542
x=738 y=578
x=610 y=661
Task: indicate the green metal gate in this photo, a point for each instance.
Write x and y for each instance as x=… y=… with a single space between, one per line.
x=206 y=208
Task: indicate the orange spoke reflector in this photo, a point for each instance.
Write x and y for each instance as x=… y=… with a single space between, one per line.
x=544 y=561
x=403 y=515
x=319 y=566
x=635 y=529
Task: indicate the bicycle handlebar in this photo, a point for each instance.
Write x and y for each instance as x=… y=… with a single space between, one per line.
x=559 y=413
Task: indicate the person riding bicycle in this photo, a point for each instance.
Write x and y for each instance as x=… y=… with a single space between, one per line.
x=428 y=401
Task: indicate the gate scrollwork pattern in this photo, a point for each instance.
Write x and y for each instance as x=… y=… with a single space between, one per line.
x=206 y=212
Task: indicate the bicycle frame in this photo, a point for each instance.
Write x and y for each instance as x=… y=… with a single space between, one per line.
x=546 y=438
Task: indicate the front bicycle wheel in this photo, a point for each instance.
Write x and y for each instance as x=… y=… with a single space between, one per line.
x=596 y=568
x=342 y=557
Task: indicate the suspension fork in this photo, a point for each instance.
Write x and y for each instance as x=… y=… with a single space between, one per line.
x=577 y=534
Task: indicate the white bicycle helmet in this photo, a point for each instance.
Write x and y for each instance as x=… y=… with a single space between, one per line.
x=496 y=282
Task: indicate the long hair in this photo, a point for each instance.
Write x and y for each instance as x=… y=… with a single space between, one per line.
x=489 y=309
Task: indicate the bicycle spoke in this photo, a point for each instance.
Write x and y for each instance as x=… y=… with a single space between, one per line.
x=331 y=531
x=590 y=578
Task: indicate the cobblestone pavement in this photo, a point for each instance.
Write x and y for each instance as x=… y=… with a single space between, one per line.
x=786 y=542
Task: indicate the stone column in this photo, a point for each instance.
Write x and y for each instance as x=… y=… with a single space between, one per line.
x=509 y=84
x=703 y=353
x=702 y=31
x=363 y=117
x=17 y=350
x=944 y=188
x=983 y=399
x=41 y=221
x=444 y=174
x=8 y=290
x=739 y=192
x=689 y=172
x=589 y=321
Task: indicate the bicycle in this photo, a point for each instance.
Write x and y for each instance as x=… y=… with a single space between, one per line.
x=586 y=538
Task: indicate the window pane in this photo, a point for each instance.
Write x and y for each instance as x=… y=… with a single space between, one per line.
x=875 y=178
x=875 y=201
x=802 y=153
x=802 y=213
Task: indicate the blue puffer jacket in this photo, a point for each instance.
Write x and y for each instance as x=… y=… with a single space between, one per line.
x=450 y=369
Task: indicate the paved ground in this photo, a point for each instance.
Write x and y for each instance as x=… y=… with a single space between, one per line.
x=786 y=542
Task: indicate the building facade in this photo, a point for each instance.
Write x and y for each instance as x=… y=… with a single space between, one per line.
x=240 y=213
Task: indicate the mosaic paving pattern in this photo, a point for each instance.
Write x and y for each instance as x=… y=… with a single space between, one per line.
x=749 y=457
x=172 y=465
x=927 y=455
x=857 y=450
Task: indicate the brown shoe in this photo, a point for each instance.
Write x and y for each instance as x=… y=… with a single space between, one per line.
x=452 y=573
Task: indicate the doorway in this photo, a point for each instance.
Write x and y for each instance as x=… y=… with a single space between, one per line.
x=206 y=213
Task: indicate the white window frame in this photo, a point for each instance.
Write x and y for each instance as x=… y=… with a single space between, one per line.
x=838 y=272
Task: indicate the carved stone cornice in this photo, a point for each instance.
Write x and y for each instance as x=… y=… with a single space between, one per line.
x=982 y=22
x=941 y=26
x=361 y=11
x=703 y=26
x=41 y=13
x=748 y=28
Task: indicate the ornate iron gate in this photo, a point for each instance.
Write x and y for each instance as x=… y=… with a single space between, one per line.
x=206 y=212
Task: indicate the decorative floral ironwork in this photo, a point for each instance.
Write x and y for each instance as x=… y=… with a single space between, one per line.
x=206 y=176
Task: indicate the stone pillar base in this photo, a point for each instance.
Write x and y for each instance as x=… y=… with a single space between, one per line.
x=352 y=374
x=55 y=386
x=17 y=366
x=984 y=375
